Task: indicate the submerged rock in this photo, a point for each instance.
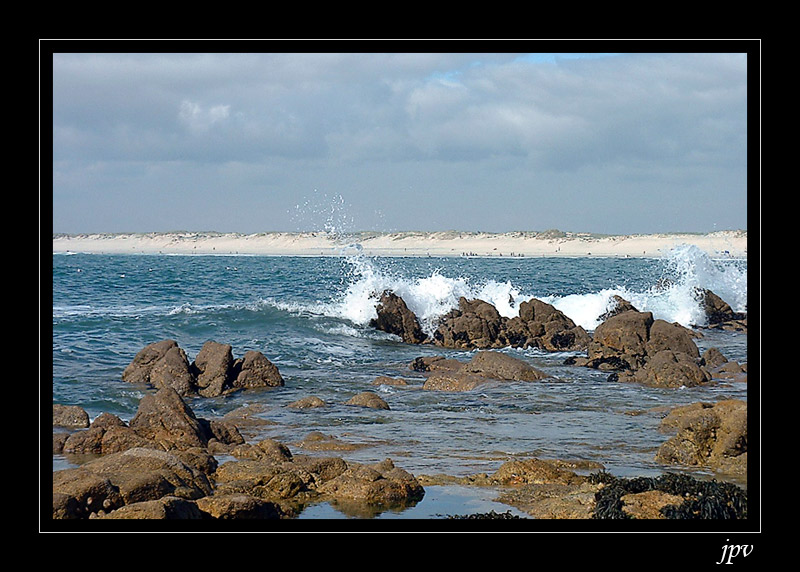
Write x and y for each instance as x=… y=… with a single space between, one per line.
x=484 y=367
x=395 y=318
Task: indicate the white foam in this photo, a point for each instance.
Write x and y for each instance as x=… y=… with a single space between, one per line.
x=670 y=297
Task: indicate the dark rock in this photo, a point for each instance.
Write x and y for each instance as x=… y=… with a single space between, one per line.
x=652 y=352
x=618 y=305
x=699 y=499
x=255 y=370
x=213 y=373
x=213 y=366
x=394 y=317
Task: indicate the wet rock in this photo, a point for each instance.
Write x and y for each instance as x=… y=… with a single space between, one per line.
x=368 y=399
x=238 y=507
x=255 y=370
x=643 y=350
x=434 y=363
x=708 y=435
x=395 y=318
x=484 y=367
x=378 y=484
x=385 y=380
x=617 y=305
x=497 y=365
x=719 y=313
x=698 y=499
x=213 y=369
x=213 y=373
x=307 y=403
x=165 y=508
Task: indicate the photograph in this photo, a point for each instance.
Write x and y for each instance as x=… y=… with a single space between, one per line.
x=403 y=286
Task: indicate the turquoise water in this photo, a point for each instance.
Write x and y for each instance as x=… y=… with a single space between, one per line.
x=310 y=317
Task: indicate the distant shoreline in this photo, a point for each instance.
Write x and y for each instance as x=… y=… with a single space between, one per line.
x=552 y=243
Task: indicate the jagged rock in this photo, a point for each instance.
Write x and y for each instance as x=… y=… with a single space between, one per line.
x=161 y=364
x=617 y=305
x=713 y=436
x=255 y=370
x=550 y=328
x=647 y=351
x=395 y=318
x=213 y=373
x=213 y=366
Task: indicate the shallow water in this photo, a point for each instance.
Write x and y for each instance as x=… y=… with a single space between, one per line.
x=309 y=315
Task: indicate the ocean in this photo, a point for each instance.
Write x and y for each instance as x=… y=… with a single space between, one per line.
x=310 y=316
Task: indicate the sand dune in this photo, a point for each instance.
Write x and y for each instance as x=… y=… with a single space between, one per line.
x=451 y=243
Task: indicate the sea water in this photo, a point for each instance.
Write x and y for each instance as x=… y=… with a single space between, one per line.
x=310 y=316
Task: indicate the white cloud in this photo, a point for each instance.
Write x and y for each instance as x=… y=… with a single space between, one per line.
x=198 y=119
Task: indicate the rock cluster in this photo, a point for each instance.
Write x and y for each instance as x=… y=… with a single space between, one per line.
x=214 y=371
x=161 y=465
x=477 y=324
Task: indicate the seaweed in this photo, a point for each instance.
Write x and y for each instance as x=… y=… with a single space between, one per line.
x=710 y=500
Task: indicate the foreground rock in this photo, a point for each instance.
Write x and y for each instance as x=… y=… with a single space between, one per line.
x=707 y=435
x=484 y=367
x=214 y=371
x=161 y=465
x=551 y=489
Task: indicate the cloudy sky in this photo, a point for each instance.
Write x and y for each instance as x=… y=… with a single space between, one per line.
x=254 y=142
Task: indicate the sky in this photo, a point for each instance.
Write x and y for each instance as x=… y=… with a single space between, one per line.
x=605 y=142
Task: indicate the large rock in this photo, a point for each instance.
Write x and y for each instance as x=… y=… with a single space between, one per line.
x=132 y=476
x=163 y=421
x=652 y=352
x=474 y=324
x=395 y=318
x=161 y=364
x=255 y=370
x=550 y=329
x=213 y=366
x=213 y=373
x=378 y=484
x=484 y=367
x=708 y=435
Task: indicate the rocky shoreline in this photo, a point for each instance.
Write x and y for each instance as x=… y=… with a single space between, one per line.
x=163 y=464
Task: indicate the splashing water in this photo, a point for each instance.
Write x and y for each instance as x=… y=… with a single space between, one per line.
x=671 y=296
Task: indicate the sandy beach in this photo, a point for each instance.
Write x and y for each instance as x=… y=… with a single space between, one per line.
x=451 y=243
